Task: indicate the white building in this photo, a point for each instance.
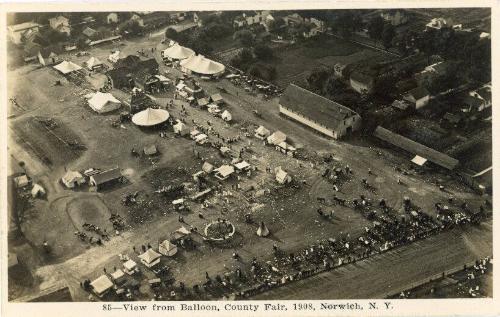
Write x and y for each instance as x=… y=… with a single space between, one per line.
x=112 y=18
x=60 y=24
x=418 y=97
x=317 y=112
x=16 y=32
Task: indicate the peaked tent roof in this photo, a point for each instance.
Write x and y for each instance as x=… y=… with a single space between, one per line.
x=149 y=256
x=202 y=65
x=262 y=130
x=150 y=117
x=93 y=61
x=67 y=67
x=177 y=51
x=103 y=102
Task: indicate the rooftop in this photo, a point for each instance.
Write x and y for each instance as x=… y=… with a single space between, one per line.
x=318 y=108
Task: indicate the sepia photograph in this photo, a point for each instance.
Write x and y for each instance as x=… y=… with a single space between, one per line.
x=228 y=156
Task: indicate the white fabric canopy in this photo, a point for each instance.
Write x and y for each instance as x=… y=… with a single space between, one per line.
x=93 y=62
x=202 y=65
x=150 y=117
x=103 y=102
x=177 y=51
x=67 y=67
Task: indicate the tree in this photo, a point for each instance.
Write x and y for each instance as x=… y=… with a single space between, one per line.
x=376 y=27
x=388 y=34
x=347 y=22
x=276 y=24
x=263 y=52
x=317 y=78
x=245 y=37
x=172 y=34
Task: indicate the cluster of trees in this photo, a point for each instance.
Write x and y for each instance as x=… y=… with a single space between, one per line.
x=201 y=40
x=346 y=22
x=324 y=82
x=253 y=60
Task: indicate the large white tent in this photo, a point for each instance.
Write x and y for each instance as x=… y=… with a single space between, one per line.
x=67 y=67
x=201 y=65
x=150 y=117
x=177 y=52
x=103 y=102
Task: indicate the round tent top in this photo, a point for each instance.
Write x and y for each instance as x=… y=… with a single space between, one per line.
x=150 y=117
x=177 y=51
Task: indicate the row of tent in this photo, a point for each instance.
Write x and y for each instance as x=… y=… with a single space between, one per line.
x=190 y=62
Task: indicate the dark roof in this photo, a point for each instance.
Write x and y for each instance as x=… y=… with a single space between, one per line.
x=362 y=78
x=317 y=108
x=418 y=93
x=416 y=148
x=107 y=176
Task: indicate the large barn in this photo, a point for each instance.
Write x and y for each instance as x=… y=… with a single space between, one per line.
x=317 y=112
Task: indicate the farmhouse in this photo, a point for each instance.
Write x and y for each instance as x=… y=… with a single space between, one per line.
x=395 y=17
x=361 y=83
x=60 y=24
x=317 y=112
x=16 y=32
x=417 y=97
x=106 y=178
x=249 y=18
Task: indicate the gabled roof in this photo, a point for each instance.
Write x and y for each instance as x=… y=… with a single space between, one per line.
x=317 y=108
x=67 y=67
x=89 y=32
x=107 y=176
x=149 y=256
x=225 y=170
x=416 y=148
x=101 y=284
x=23 y=26
x=362 y=78
x=418 y=93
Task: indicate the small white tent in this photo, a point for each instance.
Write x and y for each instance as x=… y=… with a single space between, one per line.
x=167 y=248
x=226 y=116
x=103 y=102
x=262 y=231
x=37 y=191
x=276 y=138
x=180 y=128
x=67 y=67
x=72 y=179
x=261 y=132
x=113 y=58
x=93 y=63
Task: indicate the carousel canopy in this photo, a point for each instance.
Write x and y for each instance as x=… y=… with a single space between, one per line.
x=202 y=65
x=178 y=52
x=150 y=117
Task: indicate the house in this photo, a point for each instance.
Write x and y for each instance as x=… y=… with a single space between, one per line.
x=395 y=17
x=431 y=72
x=317 y=112
x=293 y=20
x=47 y=56
x=21 y=181
x=16 y=32
x=151 y=19
x=200 y=16
x=106 y=178
x=417 y=97
x=362 y=83
x=249 y=18
x=60 y=24
x=478 y=99
x=436 y=24
x=112 y=18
